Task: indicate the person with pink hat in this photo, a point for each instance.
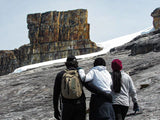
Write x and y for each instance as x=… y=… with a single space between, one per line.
x=122 y=89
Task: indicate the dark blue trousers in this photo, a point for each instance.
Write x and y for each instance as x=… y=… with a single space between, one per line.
x=100 y=108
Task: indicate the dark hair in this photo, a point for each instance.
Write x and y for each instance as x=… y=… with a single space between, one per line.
x=71 y=62
x=71 y=58
x=117 y=81
x=99 y=61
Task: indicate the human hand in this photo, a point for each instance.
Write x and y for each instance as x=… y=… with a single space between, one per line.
x=135 y=107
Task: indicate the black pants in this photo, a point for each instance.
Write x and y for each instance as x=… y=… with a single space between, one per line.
x=120 y=111
x=74 y=111
x=100 y=109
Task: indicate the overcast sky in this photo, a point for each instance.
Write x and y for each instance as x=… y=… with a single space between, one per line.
x=108 y=19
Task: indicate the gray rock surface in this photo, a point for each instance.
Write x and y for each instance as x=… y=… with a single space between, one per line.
x=142 y=44
x=28 y=95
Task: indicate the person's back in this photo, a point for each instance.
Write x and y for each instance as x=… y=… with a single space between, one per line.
x=102 y=78
x=127 y=89
x=122 y=88
x=73 y=106
x=99 y=79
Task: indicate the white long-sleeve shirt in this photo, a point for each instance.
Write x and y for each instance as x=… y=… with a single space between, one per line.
x=100 y=77
x=127 y=89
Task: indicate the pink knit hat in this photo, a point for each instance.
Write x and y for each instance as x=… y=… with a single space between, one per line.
x=116 y=65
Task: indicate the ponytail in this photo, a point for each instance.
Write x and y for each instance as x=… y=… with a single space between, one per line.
x=117 y=81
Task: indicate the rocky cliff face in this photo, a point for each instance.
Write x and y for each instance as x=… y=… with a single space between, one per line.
x=156 y=18
x=142 y=44
x=8 y=61
x=52 y=35
x=55 y=34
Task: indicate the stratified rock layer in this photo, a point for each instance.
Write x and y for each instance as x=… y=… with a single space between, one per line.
x=52 y=35
x=55 y=34
x=156 y=18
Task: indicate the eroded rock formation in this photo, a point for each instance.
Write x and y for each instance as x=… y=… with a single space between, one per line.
x=52 y=35
x=55 y=34
x=156 y=18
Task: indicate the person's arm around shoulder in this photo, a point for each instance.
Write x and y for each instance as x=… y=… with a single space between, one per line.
x=93 y=88
x=81 y=73
x=89 y=76
x=88 y=82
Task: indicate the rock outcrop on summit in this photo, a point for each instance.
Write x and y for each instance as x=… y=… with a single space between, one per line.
x=156 y=18
x=53 y=35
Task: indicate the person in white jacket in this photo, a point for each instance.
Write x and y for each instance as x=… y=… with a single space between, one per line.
x=122 y=88
x=100 y=80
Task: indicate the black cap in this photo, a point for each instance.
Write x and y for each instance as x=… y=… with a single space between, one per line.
x=71 y=58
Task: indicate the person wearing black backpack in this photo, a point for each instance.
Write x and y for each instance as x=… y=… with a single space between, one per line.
x=68 y=86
